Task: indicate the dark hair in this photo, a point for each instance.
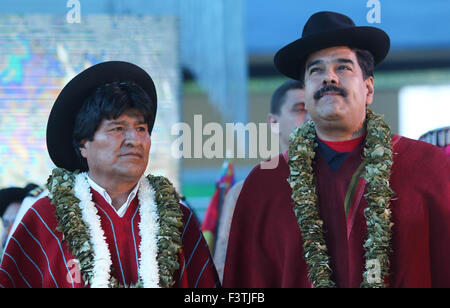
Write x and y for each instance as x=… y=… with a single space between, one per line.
x=109 y=101
x=365 y=61
x=278 y=97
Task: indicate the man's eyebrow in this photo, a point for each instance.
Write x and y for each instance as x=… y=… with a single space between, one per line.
x=115 y=122
x=344 y=60
x=339 y=60
x=312 y=63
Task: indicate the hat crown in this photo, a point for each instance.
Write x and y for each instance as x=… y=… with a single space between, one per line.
x=329 y=29
x=325 y=22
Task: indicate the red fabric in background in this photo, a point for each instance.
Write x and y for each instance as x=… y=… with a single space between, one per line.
x=226 y=180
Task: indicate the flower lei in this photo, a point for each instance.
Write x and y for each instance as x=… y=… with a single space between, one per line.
x=80 y=225
x=378 y=163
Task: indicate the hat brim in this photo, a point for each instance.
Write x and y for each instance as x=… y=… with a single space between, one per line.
x=290 y=60
x=61 y=121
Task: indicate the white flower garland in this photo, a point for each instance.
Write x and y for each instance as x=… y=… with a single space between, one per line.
x=148 y=230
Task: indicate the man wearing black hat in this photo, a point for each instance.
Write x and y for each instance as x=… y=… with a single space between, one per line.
x=350 y=205
x=10 y=202
x=103 y=223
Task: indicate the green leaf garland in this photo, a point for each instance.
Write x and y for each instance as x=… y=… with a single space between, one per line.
x=76 y=235
x=378 y=164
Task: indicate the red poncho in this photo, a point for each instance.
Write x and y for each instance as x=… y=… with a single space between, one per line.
x=37 y=257
x=265 y=248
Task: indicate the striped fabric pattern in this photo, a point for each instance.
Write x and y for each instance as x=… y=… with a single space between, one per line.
x=36 y=256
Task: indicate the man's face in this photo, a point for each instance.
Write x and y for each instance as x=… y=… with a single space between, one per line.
x=336 y=94
x=292 y=114
x=120 y=148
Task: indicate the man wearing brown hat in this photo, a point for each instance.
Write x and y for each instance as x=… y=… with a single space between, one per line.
x=103 y=223
x=350 y=204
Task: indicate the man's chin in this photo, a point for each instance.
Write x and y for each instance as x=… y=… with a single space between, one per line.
x=131 y=172
x=331 y=114
x=329 y=119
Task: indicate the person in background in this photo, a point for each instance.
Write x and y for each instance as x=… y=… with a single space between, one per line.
x=10 y=204
x=287 y=111
x=34 y=195
x=439 y=137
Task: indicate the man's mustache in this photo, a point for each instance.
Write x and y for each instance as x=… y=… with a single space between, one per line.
x=329 y=88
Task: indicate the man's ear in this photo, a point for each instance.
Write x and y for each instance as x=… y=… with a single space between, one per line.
x=369 y=82
x=82 y=148
x=272 y=120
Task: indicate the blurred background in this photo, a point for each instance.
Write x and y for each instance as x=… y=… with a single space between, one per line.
x=207 y=57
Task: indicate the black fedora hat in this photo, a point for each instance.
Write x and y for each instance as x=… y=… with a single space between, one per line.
x=329 y=29
x=62 y=117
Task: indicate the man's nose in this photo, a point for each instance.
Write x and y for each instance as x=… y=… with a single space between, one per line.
x=131 y=136
x=330 y=78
